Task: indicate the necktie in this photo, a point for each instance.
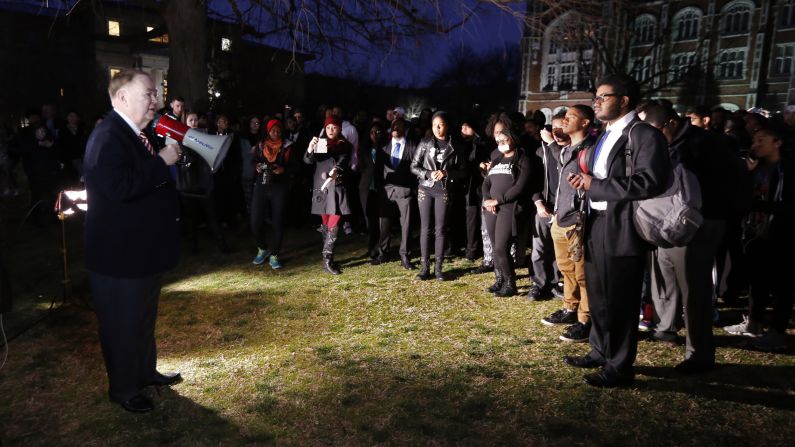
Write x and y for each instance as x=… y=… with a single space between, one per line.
x=396 y=155
x=599 y=146
x=146 y=143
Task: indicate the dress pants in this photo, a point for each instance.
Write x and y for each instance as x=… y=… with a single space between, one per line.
x=472 y=229
x=770 y=282
x=127 y=309
x=681 y=279
x=614 y=288
x=389 y=199
x=543 y=255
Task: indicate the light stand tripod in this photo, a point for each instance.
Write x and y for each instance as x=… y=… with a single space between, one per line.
x=68 y=204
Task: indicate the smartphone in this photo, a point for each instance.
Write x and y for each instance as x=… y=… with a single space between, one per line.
x=548 y=127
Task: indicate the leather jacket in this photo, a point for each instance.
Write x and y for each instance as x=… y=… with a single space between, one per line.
x=454 y=162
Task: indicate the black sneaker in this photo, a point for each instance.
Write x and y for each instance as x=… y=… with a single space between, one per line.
x=557 y=291
x=577 y=333
x=562 y=316
x=537 y=294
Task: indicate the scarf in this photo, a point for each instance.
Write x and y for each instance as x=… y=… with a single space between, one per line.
x=271 y=148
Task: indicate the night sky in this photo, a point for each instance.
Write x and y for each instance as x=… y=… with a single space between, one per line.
x=414 y=62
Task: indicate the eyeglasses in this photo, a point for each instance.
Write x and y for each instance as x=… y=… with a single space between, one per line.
x=602 y=98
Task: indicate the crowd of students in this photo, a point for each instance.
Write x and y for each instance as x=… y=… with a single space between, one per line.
x=491 y=186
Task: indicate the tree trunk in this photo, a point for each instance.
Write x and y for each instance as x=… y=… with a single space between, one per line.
x=187 y=34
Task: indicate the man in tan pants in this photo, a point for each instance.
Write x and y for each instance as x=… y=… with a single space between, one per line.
x=567 y=226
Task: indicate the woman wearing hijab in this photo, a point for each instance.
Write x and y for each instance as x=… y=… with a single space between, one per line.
x=272 y=162
x=439 y=162
x=331 y=156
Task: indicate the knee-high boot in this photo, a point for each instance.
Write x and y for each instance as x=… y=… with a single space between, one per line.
x=330 y=237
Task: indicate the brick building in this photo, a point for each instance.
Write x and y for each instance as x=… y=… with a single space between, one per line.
x=734 y=53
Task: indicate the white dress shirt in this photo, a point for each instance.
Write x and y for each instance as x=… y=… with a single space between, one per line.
x=129 y=122
x=600 y=164
x=402 y=142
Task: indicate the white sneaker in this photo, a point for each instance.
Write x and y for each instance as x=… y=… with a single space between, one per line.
x=748 y=328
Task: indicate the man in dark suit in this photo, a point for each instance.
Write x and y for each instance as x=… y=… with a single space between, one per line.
x=396 y=184
x=131 y=237
x=615 y=255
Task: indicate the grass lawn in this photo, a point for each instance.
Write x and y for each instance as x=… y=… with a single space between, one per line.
x=299 y=357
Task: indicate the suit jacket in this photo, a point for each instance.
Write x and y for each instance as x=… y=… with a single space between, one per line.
x=132 y=222
x=400 y=181
x=650 y=177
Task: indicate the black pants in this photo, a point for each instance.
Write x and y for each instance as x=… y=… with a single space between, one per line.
x=386 y=211
x=127 y=309
x=769 y=277
x=473 y=230
x=433 y=209
x=736 y=278
x=500 y=227
x=614 y=288
x=269 y=201
x=543 y=256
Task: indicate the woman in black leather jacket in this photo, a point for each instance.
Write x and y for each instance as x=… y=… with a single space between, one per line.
x=439 y=162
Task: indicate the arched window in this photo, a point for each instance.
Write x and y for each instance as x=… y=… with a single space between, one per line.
x=645 y=28
x=567 y=56
x=686 y=24
x=736 y=18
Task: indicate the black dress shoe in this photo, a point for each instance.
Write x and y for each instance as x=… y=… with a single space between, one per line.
x=692 y=366
x=166 y=379
x=602 y=379
x=485 y=268
x=665 y=337
x=138 y=404
x=582 y=361
x=378 y=260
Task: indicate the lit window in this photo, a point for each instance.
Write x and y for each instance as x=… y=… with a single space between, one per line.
x=114 y=29
x=226 y=44
x=163 y=38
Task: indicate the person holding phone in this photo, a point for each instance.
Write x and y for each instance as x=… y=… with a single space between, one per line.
x=331 y=157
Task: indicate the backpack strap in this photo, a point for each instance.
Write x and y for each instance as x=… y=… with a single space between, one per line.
x=629 y=163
